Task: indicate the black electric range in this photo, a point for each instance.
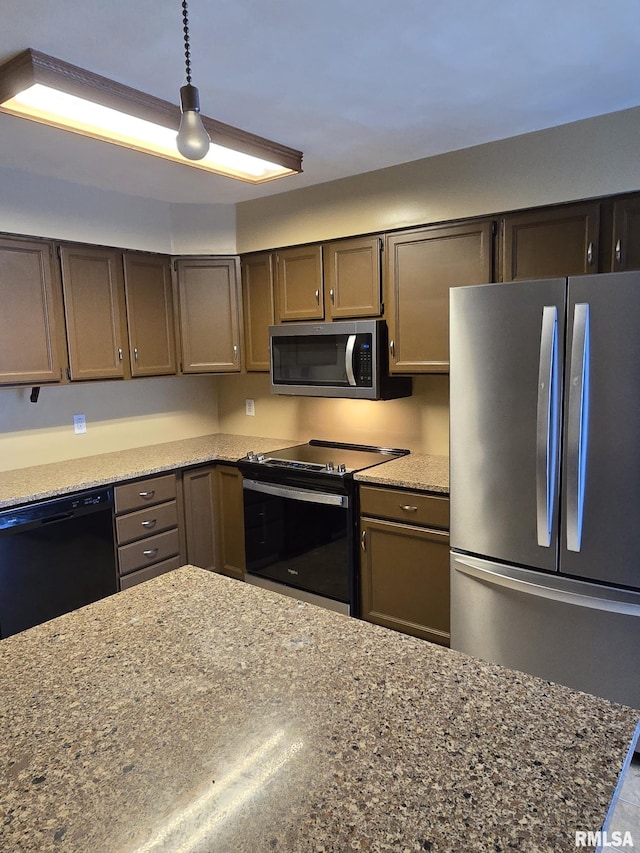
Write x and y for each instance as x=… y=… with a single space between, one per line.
x=301 y=519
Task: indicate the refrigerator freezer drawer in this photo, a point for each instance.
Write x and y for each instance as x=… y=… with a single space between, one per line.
x=575 y=633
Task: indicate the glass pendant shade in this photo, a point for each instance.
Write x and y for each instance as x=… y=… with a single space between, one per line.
x=192 y=140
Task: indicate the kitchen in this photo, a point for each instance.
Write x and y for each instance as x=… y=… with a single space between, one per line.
x=591 y=159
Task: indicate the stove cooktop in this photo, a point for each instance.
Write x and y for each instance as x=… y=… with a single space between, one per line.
x=325 y=457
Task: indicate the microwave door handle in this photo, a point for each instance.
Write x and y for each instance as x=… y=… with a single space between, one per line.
x=348 y=359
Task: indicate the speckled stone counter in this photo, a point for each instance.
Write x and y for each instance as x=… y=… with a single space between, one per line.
x=197 y=713
x=417 y=471
x=44 y=481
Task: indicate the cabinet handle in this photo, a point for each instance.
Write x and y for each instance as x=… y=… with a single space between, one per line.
x=590 y=253
x=148 y=494
x=363 y=540
x=150 y=552
x=317 y=297
x=392 y=349
x=235 y=352
x=408 y=508
x=619 y=251
x=135 y=353
x=120 y=354
x=332 y=296
x=150 y=523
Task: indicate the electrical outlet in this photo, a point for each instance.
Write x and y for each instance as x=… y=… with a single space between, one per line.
x=250 y=408
x=79 y=424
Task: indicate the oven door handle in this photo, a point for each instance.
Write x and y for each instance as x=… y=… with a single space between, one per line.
x=296 y=494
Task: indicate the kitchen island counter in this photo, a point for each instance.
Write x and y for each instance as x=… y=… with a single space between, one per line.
x=198 y=713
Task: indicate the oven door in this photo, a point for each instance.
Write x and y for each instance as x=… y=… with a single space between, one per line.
x=298 y=537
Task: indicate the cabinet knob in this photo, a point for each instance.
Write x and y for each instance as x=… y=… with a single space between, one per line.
x=317 y=297
x=120 y=354
x=332 y=296
x=150 y=552
x=408 y=508
x=148 y=494
x=135 y=353
x=235 y=352
x=150 y=523
x=590 y=253
x=392 y=349
x=363 y=540
x=619 y=251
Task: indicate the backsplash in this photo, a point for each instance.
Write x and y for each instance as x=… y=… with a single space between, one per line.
x=419 y=423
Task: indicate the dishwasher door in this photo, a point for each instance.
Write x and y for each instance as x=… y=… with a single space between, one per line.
x=55 y=556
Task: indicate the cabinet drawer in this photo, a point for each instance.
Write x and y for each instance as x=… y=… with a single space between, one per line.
x=143 y=493
x=410 y=507
x=141 y=575
x=147 y=551
x=145 y=522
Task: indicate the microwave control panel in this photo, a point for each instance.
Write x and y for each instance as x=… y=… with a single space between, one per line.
x=363 y=367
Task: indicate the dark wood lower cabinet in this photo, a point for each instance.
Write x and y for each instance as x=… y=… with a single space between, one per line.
x=214 y=519
x=230 y=522
x=404 y=568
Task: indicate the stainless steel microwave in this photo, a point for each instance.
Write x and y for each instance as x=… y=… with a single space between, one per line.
x=341 y=359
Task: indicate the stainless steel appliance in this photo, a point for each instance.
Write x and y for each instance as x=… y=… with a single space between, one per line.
x=341 y=359
x=55 y=556
x=545 y=479
x=301 y=520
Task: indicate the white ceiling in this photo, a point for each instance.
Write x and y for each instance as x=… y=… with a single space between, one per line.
x=355 y=84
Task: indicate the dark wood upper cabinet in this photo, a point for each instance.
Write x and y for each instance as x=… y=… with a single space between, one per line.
x=626 y=235
x=93 y=285
x=420 y=267
x=352 y=281
x=150 y=324
x=551 y=241
x=209 y=309
x=299 y=291
x=258 y=308
x=31 y=335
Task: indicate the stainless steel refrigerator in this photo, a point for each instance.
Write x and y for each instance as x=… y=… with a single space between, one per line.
x=545 y=479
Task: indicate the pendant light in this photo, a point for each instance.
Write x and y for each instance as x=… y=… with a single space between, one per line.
x=192 y=139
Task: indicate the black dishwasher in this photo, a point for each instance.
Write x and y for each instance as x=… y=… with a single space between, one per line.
x=55 y=556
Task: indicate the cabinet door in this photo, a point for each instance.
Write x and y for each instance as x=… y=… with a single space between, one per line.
x=352 y=278
x=30 y=316
x=626 y=235
x=299 y=283
x=209 y=305
x=230 y=522
x=147 y=281
x=93 y=287
x=404 y=578
x=421 y=266
x=199 y=493
x=551 y=242
x=258 y=305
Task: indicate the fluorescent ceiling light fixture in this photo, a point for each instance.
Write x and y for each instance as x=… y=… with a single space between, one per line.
x=52 y=92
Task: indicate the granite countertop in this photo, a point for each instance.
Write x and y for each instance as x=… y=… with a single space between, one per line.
x=197 y=713
x=22 y=485
x=416 y=471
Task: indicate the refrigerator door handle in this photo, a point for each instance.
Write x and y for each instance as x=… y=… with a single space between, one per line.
x=577 y=423
x=547 y=425
x=545 y=586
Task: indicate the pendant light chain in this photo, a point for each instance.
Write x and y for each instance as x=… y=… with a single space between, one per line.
x=187 y=52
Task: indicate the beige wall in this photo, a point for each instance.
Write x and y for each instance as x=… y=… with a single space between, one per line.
x=419 y=423
x=584 y=159
x=119 y=415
